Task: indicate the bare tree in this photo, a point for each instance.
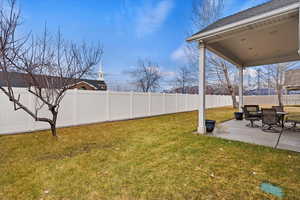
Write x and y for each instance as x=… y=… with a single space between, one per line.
x=204 y=13
x=50 y=65
x=277 y=72
x=184 y=78
x=221 y=71
x=146 y=76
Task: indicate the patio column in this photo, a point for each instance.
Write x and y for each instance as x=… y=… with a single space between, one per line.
x=201 y=109
x=241 y=88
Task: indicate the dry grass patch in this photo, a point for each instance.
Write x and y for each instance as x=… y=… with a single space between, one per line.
x=153 y=158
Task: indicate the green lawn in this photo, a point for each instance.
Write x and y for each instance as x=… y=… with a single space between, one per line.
x=153 y=158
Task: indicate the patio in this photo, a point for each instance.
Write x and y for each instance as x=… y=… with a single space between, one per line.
x=237 y=130
x=263 y=35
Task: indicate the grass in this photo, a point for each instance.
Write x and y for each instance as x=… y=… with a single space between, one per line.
x=153 y=158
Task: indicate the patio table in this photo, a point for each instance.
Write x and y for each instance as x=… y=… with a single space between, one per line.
x=282 y=114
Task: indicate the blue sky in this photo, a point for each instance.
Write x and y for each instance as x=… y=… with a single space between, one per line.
x=128 y=29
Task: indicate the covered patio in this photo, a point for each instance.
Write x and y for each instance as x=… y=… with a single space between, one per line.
x=237 y=130
x=265 y=34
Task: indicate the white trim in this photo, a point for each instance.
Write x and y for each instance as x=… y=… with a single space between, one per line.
x=245 y=22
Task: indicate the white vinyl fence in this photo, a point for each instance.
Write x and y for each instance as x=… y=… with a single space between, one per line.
x=272 y=100
x=83 y=107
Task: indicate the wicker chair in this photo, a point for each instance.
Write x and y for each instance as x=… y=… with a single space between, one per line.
x=269 y=119
x=251 y=114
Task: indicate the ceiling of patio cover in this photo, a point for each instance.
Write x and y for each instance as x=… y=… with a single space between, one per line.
x=267 y=40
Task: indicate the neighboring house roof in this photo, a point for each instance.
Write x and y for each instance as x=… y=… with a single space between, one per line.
x=251 y=12
x=261 y=91
x=20 y=80
x=96 y=83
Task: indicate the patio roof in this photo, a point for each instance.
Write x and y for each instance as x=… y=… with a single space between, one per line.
x=266 y=34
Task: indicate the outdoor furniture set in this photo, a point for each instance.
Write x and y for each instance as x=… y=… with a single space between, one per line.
x=271 y=118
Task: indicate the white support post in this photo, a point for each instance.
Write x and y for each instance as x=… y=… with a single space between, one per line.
x=201 y=108
x=241 y=88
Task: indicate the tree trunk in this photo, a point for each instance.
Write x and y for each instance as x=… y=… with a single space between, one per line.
x=53 y=129
x=234 y=102
x=230 y=87
x=53 y=122
x=279 y=95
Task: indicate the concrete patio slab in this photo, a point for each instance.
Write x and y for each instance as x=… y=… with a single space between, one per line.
x=237 y=130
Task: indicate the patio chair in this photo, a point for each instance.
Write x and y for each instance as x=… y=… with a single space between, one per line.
x=293 y=120
x=251 y=114
x=269 y=119
x=279 y=109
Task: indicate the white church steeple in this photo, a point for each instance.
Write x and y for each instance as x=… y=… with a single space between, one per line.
x=101 y=73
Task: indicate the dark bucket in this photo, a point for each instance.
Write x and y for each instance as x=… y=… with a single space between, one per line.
x=210 y=125
x=238 y=115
